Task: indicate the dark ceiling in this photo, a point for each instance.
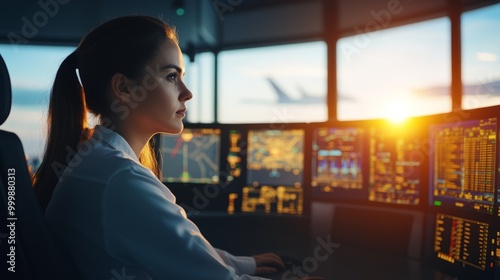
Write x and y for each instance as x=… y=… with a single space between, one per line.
x=215 y=23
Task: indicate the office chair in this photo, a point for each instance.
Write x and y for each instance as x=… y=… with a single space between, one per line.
x=37 y=255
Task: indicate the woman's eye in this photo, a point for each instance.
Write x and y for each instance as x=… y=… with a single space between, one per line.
x=172 y=76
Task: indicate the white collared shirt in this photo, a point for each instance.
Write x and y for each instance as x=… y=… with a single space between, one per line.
x=118 y=221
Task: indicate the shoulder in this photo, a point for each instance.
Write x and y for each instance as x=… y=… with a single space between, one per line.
x=135 y=193
x=133 y=181
x=99 y=162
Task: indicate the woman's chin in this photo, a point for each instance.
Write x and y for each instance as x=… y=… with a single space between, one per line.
x=174 y=129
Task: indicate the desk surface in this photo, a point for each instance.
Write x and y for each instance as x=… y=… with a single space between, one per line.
x=352 y=264
x=288 y=236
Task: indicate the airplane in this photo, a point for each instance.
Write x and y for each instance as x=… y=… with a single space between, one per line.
x=306 y=98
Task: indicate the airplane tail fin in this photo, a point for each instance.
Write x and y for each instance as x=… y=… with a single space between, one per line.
x=282 y=97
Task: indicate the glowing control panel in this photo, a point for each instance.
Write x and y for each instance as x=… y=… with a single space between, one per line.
x=394 y=166
x=463 y=164
x=462 y=240
x=192 y=156
x=336 y=159
x=267 y=199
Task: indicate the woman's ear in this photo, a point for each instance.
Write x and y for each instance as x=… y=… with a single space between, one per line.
x=121 y=87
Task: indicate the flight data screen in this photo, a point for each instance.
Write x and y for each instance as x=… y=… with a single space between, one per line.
x=275 y=157
x=269 y=199
x=395 y=166
x=464 y=241
x=463 y=160
x=275 y=164
x=337 y=160
x=191 y=156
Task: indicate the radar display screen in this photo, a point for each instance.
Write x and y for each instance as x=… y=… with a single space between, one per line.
x=191 y=156
x=275 y=157
x=463 y=160
x=337 y=161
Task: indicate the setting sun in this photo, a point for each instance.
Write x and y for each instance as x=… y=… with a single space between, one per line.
x=398 y=111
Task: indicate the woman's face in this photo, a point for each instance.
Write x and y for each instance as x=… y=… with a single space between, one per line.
x=161 y=95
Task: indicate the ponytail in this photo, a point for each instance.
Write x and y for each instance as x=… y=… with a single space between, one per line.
x=66 y=122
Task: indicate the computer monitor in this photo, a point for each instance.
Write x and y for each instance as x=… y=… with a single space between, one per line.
x=275 y=157
x=193 y=156
x=275 y=164
x=395 y=163
x=463 y=160
x=466 y=248
x=337 y=163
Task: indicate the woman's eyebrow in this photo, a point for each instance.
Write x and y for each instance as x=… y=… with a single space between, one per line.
x=172 y=66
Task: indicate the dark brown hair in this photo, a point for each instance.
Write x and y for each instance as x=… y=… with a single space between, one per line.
x=122 y=45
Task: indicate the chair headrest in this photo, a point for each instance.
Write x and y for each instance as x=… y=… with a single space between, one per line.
x=5 y=91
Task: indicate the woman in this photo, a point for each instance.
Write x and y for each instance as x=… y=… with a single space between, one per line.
x=99 y=187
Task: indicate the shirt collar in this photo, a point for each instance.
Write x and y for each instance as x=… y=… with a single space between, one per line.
x=114 y=140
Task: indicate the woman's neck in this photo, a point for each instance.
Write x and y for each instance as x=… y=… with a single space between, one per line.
x=136 y=138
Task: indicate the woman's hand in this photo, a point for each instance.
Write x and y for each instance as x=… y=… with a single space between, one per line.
x=268 y=263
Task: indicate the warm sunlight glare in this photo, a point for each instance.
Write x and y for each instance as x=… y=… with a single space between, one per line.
x=398 y=111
